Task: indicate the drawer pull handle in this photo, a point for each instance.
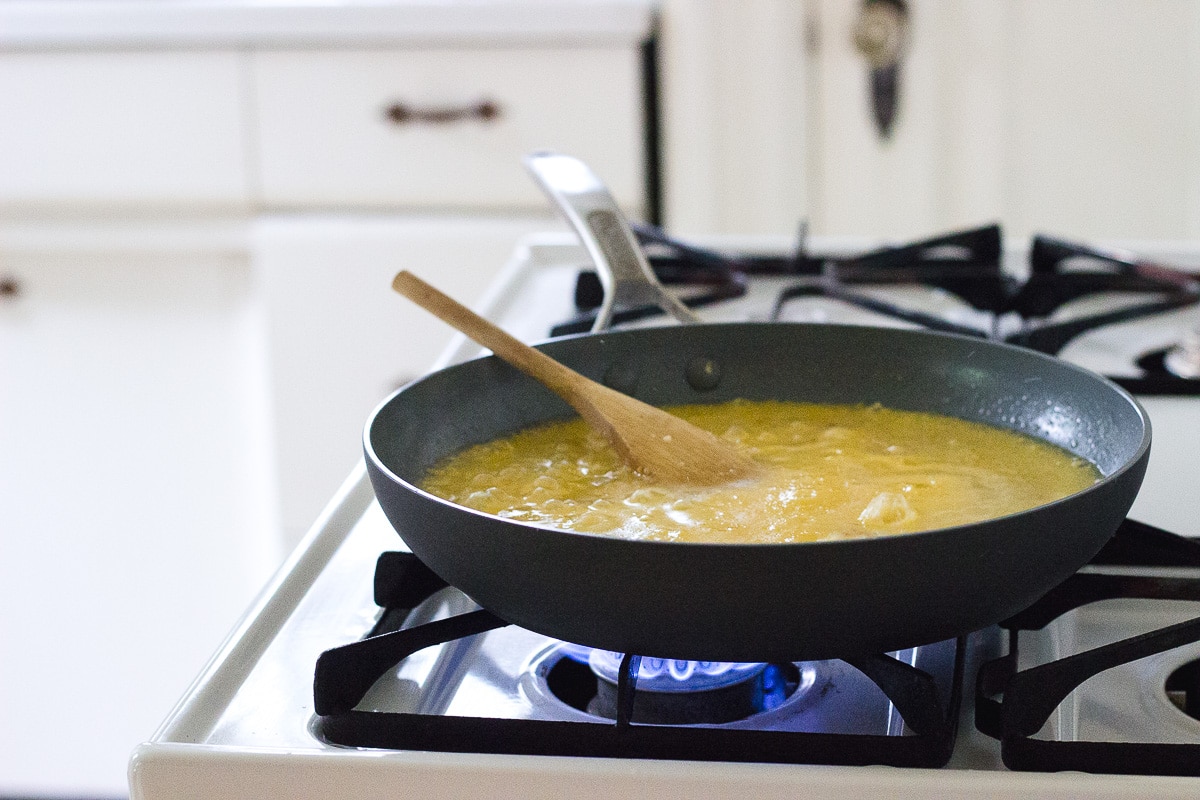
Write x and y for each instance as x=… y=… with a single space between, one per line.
x=405 y=114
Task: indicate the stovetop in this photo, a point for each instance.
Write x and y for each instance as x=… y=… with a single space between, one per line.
x=248 y=726
x=1120 y=311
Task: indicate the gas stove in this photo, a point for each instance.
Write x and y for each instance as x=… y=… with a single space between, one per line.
x=358 y=672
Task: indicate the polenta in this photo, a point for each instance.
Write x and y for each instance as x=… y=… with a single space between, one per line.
x=831 y=472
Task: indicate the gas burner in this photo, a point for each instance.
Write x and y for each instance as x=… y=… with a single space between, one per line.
x=822 y=712
x=668 y=692
x=898 y=709
x=664 y=675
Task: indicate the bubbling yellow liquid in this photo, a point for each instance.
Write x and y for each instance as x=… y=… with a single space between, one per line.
x=831 y=472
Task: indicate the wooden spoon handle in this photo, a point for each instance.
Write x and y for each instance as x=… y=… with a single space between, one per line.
x=534 y=363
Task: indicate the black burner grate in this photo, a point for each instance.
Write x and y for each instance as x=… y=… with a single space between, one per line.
x=964 y=263
x=1013 y=705
x=345 y=674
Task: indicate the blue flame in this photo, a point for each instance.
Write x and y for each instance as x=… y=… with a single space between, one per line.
x=670 y=675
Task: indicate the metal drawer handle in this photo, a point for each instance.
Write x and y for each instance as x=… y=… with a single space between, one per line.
x=405 y=114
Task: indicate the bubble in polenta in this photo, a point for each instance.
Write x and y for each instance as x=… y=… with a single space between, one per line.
x=831 y=472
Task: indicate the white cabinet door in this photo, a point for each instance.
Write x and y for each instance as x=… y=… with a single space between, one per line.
x=442 y=127
x=734 y=88
x=1075 y=117
x=342 y=340
x=146 y=130
x=137 y=520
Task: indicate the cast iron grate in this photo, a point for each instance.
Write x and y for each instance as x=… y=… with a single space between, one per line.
x=1012 y=705
x=964 y=263
x=345 y=674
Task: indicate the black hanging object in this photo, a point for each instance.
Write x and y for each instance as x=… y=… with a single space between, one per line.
x=885 y=98
x=881 y=36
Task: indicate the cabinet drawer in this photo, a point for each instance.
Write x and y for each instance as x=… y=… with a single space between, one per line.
x=125 y=128
x=325 y=136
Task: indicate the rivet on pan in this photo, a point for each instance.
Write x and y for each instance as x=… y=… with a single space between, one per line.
x=703 y=374
x=620 y=377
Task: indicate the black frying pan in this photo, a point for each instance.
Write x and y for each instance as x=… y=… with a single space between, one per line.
x=757 y=602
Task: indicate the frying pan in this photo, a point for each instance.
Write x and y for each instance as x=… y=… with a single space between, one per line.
x=761 y=602
x=755 y=602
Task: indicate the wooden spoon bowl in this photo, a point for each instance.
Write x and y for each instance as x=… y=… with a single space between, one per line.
x=654 y=443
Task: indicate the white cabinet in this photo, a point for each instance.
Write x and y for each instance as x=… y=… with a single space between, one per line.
x=123 y=130
x=135 y=496
x=1072 y=117
x=202 y=206
x=459 y=121
x=285 y=131
x=735 y=107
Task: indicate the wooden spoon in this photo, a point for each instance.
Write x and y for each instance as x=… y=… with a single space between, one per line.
x=654 y=443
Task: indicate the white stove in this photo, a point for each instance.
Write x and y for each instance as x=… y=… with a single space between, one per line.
x=507 y=712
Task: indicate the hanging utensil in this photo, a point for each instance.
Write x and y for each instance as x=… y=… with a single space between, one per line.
x=881 y=36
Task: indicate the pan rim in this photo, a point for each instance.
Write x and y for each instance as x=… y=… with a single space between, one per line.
x=1137 y=456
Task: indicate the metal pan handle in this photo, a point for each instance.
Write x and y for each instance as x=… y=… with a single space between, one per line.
x=591 y=210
